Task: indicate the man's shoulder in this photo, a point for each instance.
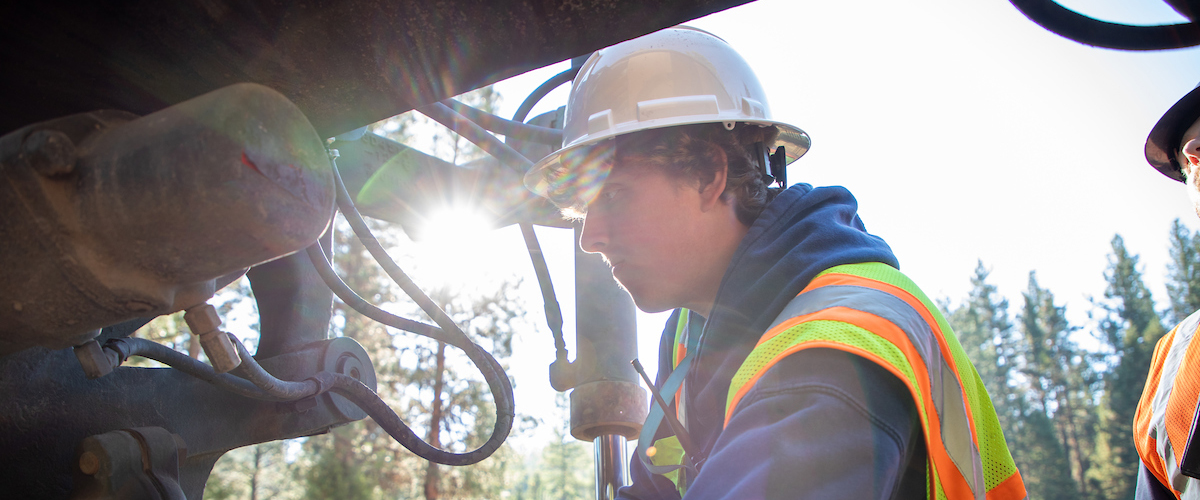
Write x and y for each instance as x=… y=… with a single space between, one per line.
x=855 y=380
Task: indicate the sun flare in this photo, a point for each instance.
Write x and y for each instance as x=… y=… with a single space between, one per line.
x=452 y=246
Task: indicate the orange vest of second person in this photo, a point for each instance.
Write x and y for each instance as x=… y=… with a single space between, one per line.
x=1162 y=426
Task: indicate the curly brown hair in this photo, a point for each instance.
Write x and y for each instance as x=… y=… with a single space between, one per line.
x=693 y=151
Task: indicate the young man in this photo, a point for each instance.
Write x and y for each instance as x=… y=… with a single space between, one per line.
x=1163 y=427
x=800 y=363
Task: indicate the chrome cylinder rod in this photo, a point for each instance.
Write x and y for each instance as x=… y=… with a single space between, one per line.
x=612 y=465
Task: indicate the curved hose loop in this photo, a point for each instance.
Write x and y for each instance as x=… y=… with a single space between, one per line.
x=506 y=127
x=284 y=390
x=493 y=373
x=371 y=403
x=262 y=385
x=359 y=304
x=540 y=92
x=1086 y=30
x=383 y=415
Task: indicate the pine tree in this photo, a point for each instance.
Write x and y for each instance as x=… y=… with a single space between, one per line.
x=336 y=474
x=567 y=464
x=1130 y=328
x=1054 y=443
x=254 y=473
x=985 y=331
x=1183 y=272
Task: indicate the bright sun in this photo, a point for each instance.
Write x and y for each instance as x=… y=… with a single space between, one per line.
x=452 y=246
x=454 y=226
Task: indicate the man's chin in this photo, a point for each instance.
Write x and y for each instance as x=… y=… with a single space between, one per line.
x=648 y=304
x=644 y=299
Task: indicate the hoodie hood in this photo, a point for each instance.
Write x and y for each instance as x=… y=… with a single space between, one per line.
x=802 y=232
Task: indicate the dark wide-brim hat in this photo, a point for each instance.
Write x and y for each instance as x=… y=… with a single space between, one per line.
x=1163 y=142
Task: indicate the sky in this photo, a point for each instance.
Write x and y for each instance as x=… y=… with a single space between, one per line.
x=966 y=132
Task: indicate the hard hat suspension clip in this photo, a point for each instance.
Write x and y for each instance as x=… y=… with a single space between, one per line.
x=774 y=165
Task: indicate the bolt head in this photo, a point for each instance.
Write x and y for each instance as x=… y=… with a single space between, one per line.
x=89 y=463
x=49 y=152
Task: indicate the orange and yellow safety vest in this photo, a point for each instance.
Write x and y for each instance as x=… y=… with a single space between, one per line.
x=1162 y=426
x=873 y=311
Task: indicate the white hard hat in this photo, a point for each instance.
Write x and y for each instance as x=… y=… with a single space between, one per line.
x=677 y=76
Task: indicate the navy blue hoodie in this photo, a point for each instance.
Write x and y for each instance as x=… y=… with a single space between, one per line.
x=819 y=424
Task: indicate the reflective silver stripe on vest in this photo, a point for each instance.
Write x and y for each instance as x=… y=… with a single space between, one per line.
x=1189 y=487
x=945 y=390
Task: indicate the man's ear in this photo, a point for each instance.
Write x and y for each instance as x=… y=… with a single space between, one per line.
x=710 y=194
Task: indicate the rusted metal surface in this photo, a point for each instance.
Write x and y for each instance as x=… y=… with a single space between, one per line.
x=608 y=407
x=344 y=63
x=50 y=406
x=141 y=463
x=108 y=216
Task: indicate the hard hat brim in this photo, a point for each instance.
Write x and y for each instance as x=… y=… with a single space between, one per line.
x=795 y=141
x=1163 y=142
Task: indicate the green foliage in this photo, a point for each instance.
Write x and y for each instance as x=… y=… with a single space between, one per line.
x=564 y=470
x=1130 y=327
x=567 y=465
x=1067 y=412
x=985 y=331
x=335 y=474
x=254 y=472
x=1183 y=272
x=1059 y=412
x=1043 y=463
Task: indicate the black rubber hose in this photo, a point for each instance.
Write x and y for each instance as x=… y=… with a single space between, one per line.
x=540 y=92
x=262 y=385
x=132 y=346
x=354 y=301
x=1086 y=30
x=550 y=300
x=541 y=270
x=285 y=390
x=507 y=128
x=471 y=131
x=382 y=414
x=493 y=373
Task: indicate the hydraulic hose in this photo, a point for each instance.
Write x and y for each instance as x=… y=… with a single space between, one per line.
x=1083 y=29
x=259 y=384
x=369 y=401
x=505 y=127
x=543 y=89
x=550 y=300
x=353 y=300
x=493 y=373
x=132 y=346
x=471 y=131
x=284 y=390
x=382 y=414
x=541 y=270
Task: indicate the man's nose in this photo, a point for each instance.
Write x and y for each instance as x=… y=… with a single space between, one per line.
x=594 y=237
